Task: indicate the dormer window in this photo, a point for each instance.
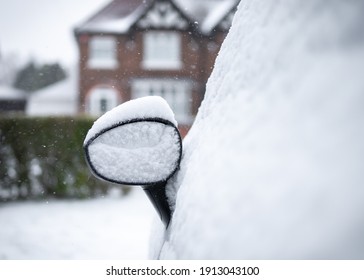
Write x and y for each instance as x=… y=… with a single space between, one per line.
x=162 y=50
x=102 y=53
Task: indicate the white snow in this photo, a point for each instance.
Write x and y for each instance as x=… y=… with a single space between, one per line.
x=116 y=25
x=216 y=15
x=141 y=152
x=211 y=11
x=103 y=228
x=145 y=107
x=10 y=93
x=273 y=166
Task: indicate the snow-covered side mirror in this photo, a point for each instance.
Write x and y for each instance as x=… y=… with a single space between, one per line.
x=135 y=152
x=137 y=143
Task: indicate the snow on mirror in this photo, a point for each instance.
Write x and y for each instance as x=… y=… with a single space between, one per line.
x=136 y=143
x=139 y=152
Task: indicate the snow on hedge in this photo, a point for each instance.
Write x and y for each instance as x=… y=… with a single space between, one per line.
x=273 y=166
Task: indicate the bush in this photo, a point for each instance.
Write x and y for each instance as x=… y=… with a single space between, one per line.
x=43 y=157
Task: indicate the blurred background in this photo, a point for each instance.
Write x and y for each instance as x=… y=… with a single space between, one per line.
x=64 y=64
x=42 y=31
x=41 y=215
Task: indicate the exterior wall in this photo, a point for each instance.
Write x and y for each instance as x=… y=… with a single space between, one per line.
x=198 y=56
x=90 y=78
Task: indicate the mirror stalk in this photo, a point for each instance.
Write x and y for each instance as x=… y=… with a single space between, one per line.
x=157 y=195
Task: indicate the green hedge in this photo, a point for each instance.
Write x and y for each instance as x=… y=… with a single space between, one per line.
x=43 y=157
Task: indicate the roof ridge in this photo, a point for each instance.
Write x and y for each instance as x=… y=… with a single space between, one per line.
x=119 y=16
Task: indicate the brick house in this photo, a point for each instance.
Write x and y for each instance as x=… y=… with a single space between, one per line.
x=135 y=48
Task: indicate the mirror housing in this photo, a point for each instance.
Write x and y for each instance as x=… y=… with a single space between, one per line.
x=136 y=152
x=137 y=143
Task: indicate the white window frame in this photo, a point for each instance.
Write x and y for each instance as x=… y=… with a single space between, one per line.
x=162 y=50
x=99 y=97
x=102 y=52
x=176 y=93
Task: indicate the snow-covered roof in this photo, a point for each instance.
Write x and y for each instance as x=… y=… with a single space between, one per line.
x=58 y=99
x=216 y=15
x=10 y=93
x=120 y=15
x=116 y=17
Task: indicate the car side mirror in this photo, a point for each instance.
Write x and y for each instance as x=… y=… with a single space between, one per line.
x=137 y=143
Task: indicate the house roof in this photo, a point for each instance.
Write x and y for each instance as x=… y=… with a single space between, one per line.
x=116 y=17
x=10 y=93
x=207 y=13
x=119 y=16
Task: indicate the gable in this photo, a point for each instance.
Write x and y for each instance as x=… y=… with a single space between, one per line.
x=163 y=14
x=120 y=16
x=226 y=21
x=116 y=17
x=220 y=17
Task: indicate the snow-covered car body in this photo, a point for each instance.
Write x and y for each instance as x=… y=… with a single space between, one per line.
x=273 y=165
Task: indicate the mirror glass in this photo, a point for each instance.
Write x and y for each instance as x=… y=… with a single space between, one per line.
x=143 y=152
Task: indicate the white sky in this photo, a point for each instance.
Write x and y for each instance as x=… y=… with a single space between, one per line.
x=43 y=29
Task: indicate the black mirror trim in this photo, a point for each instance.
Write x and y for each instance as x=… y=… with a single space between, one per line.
x=157 y=120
